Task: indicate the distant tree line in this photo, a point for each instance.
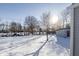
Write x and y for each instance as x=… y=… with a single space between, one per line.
x=31 y=25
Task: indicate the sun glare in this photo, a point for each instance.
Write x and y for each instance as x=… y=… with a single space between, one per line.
x=54 y=19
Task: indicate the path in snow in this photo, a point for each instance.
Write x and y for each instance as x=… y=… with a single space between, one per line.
x=36 y=53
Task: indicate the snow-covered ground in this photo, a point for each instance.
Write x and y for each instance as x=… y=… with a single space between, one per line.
x=34 y=45
x=56 y=46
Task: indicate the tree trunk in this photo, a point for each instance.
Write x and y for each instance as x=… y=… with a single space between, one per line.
x=47 y=34
x=39 y=32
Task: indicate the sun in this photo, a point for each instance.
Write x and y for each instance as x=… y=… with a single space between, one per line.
x=54 y=19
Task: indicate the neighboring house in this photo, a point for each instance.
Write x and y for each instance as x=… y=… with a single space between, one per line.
x=65 y=32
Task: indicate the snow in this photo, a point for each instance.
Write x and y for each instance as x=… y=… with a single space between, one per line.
x=56 y=46
x=34 y=45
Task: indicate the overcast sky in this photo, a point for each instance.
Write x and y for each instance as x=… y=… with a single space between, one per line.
x=18 y=12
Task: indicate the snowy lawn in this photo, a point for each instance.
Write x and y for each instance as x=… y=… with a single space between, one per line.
x=56 y=46
x=34 y=45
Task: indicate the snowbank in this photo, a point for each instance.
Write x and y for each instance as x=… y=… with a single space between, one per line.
x=56 y=46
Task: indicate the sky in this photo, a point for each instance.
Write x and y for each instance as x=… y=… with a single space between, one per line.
x=18 y=11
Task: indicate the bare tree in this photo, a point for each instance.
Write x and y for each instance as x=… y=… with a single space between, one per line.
x=7 y=27
x=13 y=27
x=45 y=18
x=19 y=27
x=31 y=23
x=64 y=16
x=2 y=27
